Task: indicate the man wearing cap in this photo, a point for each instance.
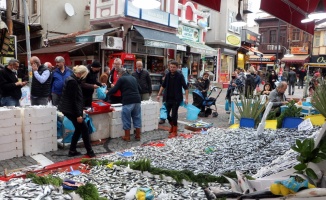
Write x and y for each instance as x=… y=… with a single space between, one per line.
x=41 y=82
x=90 y=83
x=59 y=75
x=9 y=84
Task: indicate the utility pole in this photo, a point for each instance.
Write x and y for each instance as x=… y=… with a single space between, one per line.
x=8 y=15
x=28 y=45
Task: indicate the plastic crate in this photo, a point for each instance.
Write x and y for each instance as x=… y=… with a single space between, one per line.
x=291 y=122
x=316 y=120
x=247 y=122
x=101 y=106
x=271 y=124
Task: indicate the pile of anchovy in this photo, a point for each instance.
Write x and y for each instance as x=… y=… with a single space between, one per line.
x=215 y=152
x=238 y=149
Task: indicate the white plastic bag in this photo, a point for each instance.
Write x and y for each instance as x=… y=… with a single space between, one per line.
x=26 y=96
x=305 y=125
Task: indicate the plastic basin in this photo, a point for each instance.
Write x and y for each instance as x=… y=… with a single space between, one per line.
x=271 y=124
x=316 y=120
x=291 y=122
x=247 y=122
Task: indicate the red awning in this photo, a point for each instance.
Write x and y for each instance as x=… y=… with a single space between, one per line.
x=296 y=59
x=213 y=4
x=290 y=12
x=257 y=53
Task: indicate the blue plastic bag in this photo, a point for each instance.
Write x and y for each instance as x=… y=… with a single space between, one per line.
x=89 y=122
x=68 y=124
x=227 y=105
x=163 y=112
x=101 y=92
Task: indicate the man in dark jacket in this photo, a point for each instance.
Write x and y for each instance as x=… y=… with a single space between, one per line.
x=9 y=84
x=144 y=81
x=302 y=75
x=292 y=79
x=71 y=105
x=59 y=76
x=41 y=82
x=130 y=93
x=173 y=83
x=90 y=83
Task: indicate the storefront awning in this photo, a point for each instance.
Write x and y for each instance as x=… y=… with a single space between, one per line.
x=266 y=58
x=197 y=47
x=215 y=4
x=48 y=54
x=257 y=53
x=94 y=36
x=159 y=39
x=296 y=59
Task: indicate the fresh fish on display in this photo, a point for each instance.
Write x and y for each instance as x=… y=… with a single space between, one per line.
x=259 y=195
x=234 y=186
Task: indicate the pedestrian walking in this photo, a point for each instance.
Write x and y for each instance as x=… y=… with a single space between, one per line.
x=292 y=79
x=114 y=77
x=41 y=82
x=144 y=81
x=59 y=76
x=10 y=86
x=71 y=105
x=302 y=75
x=130 y=93
x=90 y=83
x=273 y=78
x=173 y=84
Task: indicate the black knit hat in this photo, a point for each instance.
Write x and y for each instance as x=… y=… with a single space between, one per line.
x=96 y=64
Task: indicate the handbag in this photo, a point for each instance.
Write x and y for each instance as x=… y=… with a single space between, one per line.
x=89 y=122
x=101 y=92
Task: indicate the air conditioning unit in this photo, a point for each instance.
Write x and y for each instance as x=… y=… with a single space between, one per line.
x=112 y=43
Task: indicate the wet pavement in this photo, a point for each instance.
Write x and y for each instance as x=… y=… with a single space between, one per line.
x=117 y=144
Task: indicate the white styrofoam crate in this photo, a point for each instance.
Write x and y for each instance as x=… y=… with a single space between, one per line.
x=102 y=125
x=43 y=145
x=29 y=128
x=10 y=122
x=11 y=154
x=11 y=138
x=35 y=135
x=10 y=130
x=40 y=120
x=114 y=122
x=115 y=114
x=11 y=146
x=6 y=113
x=116 y=131
x=39 y=111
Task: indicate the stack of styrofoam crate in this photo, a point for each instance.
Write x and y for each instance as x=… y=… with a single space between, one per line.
x=10 y=133
x=115 y=124
x=102 y=125
x=39 y=129
x=150 y=112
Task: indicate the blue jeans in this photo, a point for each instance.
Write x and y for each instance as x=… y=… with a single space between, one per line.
x=131 y=111
x=9 y=101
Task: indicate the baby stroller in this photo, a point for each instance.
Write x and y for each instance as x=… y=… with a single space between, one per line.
x=205 y=103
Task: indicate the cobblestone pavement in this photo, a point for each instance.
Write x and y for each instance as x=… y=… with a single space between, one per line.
x=117 y=144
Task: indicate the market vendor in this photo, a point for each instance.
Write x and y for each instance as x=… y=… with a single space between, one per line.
x=277 y=96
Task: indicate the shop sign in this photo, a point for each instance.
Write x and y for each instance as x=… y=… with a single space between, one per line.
x=233 y=40
x=188 y=33
x=299 y=50
x=131 y=10
x=181 y=47
x=154 y=15
x=261 y=59
x=198 y=51
x=158 y=44
x=9 y=49
x=250 y=37
x=85 y=39
x=318 y=59
x=174 y=21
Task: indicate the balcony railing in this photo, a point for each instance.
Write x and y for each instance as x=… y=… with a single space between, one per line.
x=270 y=48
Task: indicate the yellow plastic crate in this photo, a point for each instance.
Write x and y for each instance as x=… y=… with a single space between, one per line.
x=316 y=120
x=271 y=124
x=234 y=126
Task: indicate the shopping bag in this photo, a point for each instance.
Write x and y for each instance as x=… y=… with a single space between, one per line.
x=101 y=94
x=68 y=124
x=226 y=105
x=26 y=96
x=163 y=112
x=89 y=122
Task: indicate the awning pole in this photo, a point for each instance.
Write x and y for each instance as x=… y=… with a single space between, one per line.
x=28 y=45
x=278 y=41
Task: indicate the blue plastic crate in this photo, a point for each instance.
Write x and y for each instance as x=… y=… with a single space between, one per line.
x=291 y=122
x=247 y=122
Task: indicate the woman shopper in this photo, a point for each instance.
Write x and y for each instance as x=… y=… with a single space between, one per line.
x=71 y=105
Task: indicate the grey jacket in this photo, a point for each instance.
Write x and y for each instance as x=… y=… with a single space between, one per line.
x=276 y=98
